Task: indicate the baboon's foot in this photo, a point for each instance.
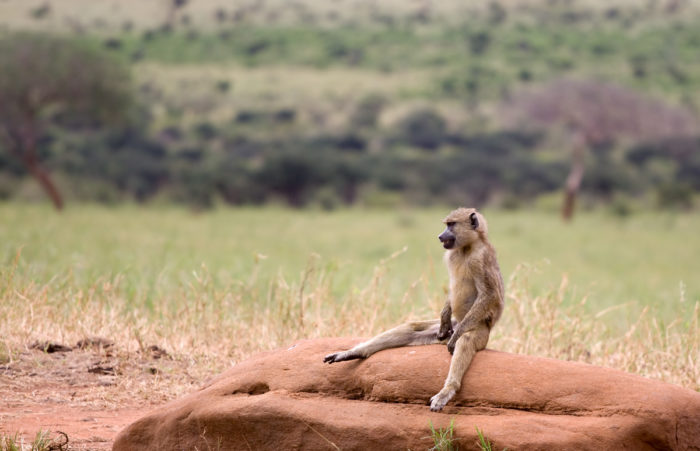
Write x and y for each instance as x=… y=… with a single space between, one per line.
x=340 y=357
x=438 y=401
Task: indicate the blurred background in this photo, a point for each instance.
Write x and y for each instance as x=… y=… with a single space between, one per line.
x=549 y=104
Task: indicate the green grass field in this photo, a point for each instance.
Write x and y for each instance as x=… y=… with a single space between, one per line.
x=645 y=260
x=215 y=287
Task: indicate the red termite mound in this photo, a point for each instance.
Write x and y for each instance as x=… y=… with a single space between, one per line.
x=290 y=399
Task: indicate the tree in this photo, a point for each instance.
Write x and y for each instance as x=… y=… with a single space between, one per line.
x=595 y=114
x=424 y=128
x=44 y=77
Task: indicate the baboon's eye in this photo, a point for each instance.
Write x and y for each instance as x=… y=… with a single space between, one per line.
x=450 y=224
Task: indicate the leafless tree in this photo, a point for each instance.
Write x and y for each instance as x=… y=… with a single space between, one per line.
x=593 y=112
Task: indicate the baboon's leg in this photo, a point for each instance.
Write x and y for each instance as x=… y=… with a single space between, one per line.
x=408 y=334
x=467 y=345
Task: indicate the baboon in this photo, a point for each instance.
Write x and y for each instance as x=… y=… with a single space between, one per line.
x=474 y=304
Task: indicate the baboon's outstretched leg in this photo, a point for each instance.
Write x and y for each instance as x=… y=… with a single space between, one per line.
x=467 y=345
x=407 y=334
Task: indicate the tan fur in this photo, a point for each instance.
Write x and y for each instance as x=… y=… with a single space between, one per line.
x=474 y=304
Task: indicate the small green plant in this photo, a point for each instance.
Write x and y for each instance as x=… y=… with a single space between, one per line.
x=484 y=443
x=443 y=439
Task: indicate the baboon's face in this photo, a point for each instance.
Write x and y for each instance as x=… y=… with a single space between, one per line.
x=448 y=238
x=462 y=226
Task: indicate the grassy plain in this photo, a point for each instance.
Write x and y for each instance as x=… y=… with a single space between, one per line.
x=214 y=287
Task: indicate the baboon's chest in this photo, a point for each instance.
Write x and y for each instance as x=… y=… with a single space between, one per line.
x=462 y=298
x=462 y=294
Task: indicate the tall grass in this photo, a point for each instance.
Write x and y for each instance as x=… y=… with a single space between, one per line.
x=547 y=326
x=212 y=319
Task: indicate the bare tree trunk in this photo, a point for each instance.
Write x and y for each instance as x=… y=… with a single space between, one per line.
x=24 y=148
x=573 y=181
x=46 y=183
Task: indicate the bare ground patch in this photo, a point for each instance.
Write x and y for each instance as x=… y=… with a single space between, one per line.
x=88 y=393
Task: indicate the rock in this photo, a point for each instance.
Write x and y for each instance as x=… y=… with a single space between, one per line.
x=289 y=399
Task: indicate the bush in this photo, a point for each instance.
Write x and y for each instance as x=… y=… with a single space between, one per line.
x=8 y=185
x=675 y=196
x=205 y=131
x=327 y=199
x=479 y=42
x=367 y=112
x=424 y=128
x=292 y=175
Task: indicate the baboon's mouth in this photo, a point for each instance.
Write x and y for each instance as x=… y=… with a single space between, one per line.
x=448 y=244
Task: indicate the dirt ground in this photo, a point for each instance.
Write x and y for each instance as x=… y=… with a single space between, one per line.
x=87 y=392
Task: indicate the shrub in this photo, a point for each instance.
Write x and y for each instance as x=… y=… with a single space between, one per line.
x=367 y=111
x=675 y=195
x=424 y=128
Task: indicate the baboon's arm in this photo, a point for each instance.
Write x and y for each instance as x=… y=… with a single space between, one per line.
x=445 y=321
x=477 y=315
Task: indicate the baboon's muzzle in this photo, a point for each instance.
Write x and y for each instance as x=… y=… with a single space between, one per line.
x=447 y=239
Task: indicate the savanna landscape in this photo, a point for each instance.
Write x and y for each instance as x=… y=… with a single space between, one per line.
x=181 y=297
x=279 y=171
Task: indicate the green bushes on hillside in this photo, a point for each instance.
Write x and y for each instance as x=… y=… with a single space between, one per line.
x=310 y=105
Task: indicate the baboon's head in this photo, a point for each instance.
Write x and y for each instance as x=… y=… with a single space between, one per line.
x=464 y=227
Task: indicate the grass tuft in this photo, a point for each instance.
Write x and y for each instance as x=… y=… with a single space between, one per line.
x=443 y=439
x=484 y=443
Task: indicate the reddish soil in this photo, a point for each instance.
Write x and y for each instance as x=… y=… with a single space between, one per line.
x=88 y=394
x=88 y=428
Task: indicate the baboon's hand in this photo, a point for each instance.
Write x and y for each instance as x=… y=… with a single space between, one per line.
x=452 y=343
x=445 y=333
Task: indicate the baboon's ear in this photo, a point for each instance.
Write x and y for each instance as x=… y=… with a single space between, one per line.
x=474 y=220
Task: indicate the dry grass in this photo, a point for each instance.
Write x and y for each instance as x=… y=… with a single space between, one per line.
x=203 y=329
x=41 y=442
x=206 y=329
x=544 y=325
